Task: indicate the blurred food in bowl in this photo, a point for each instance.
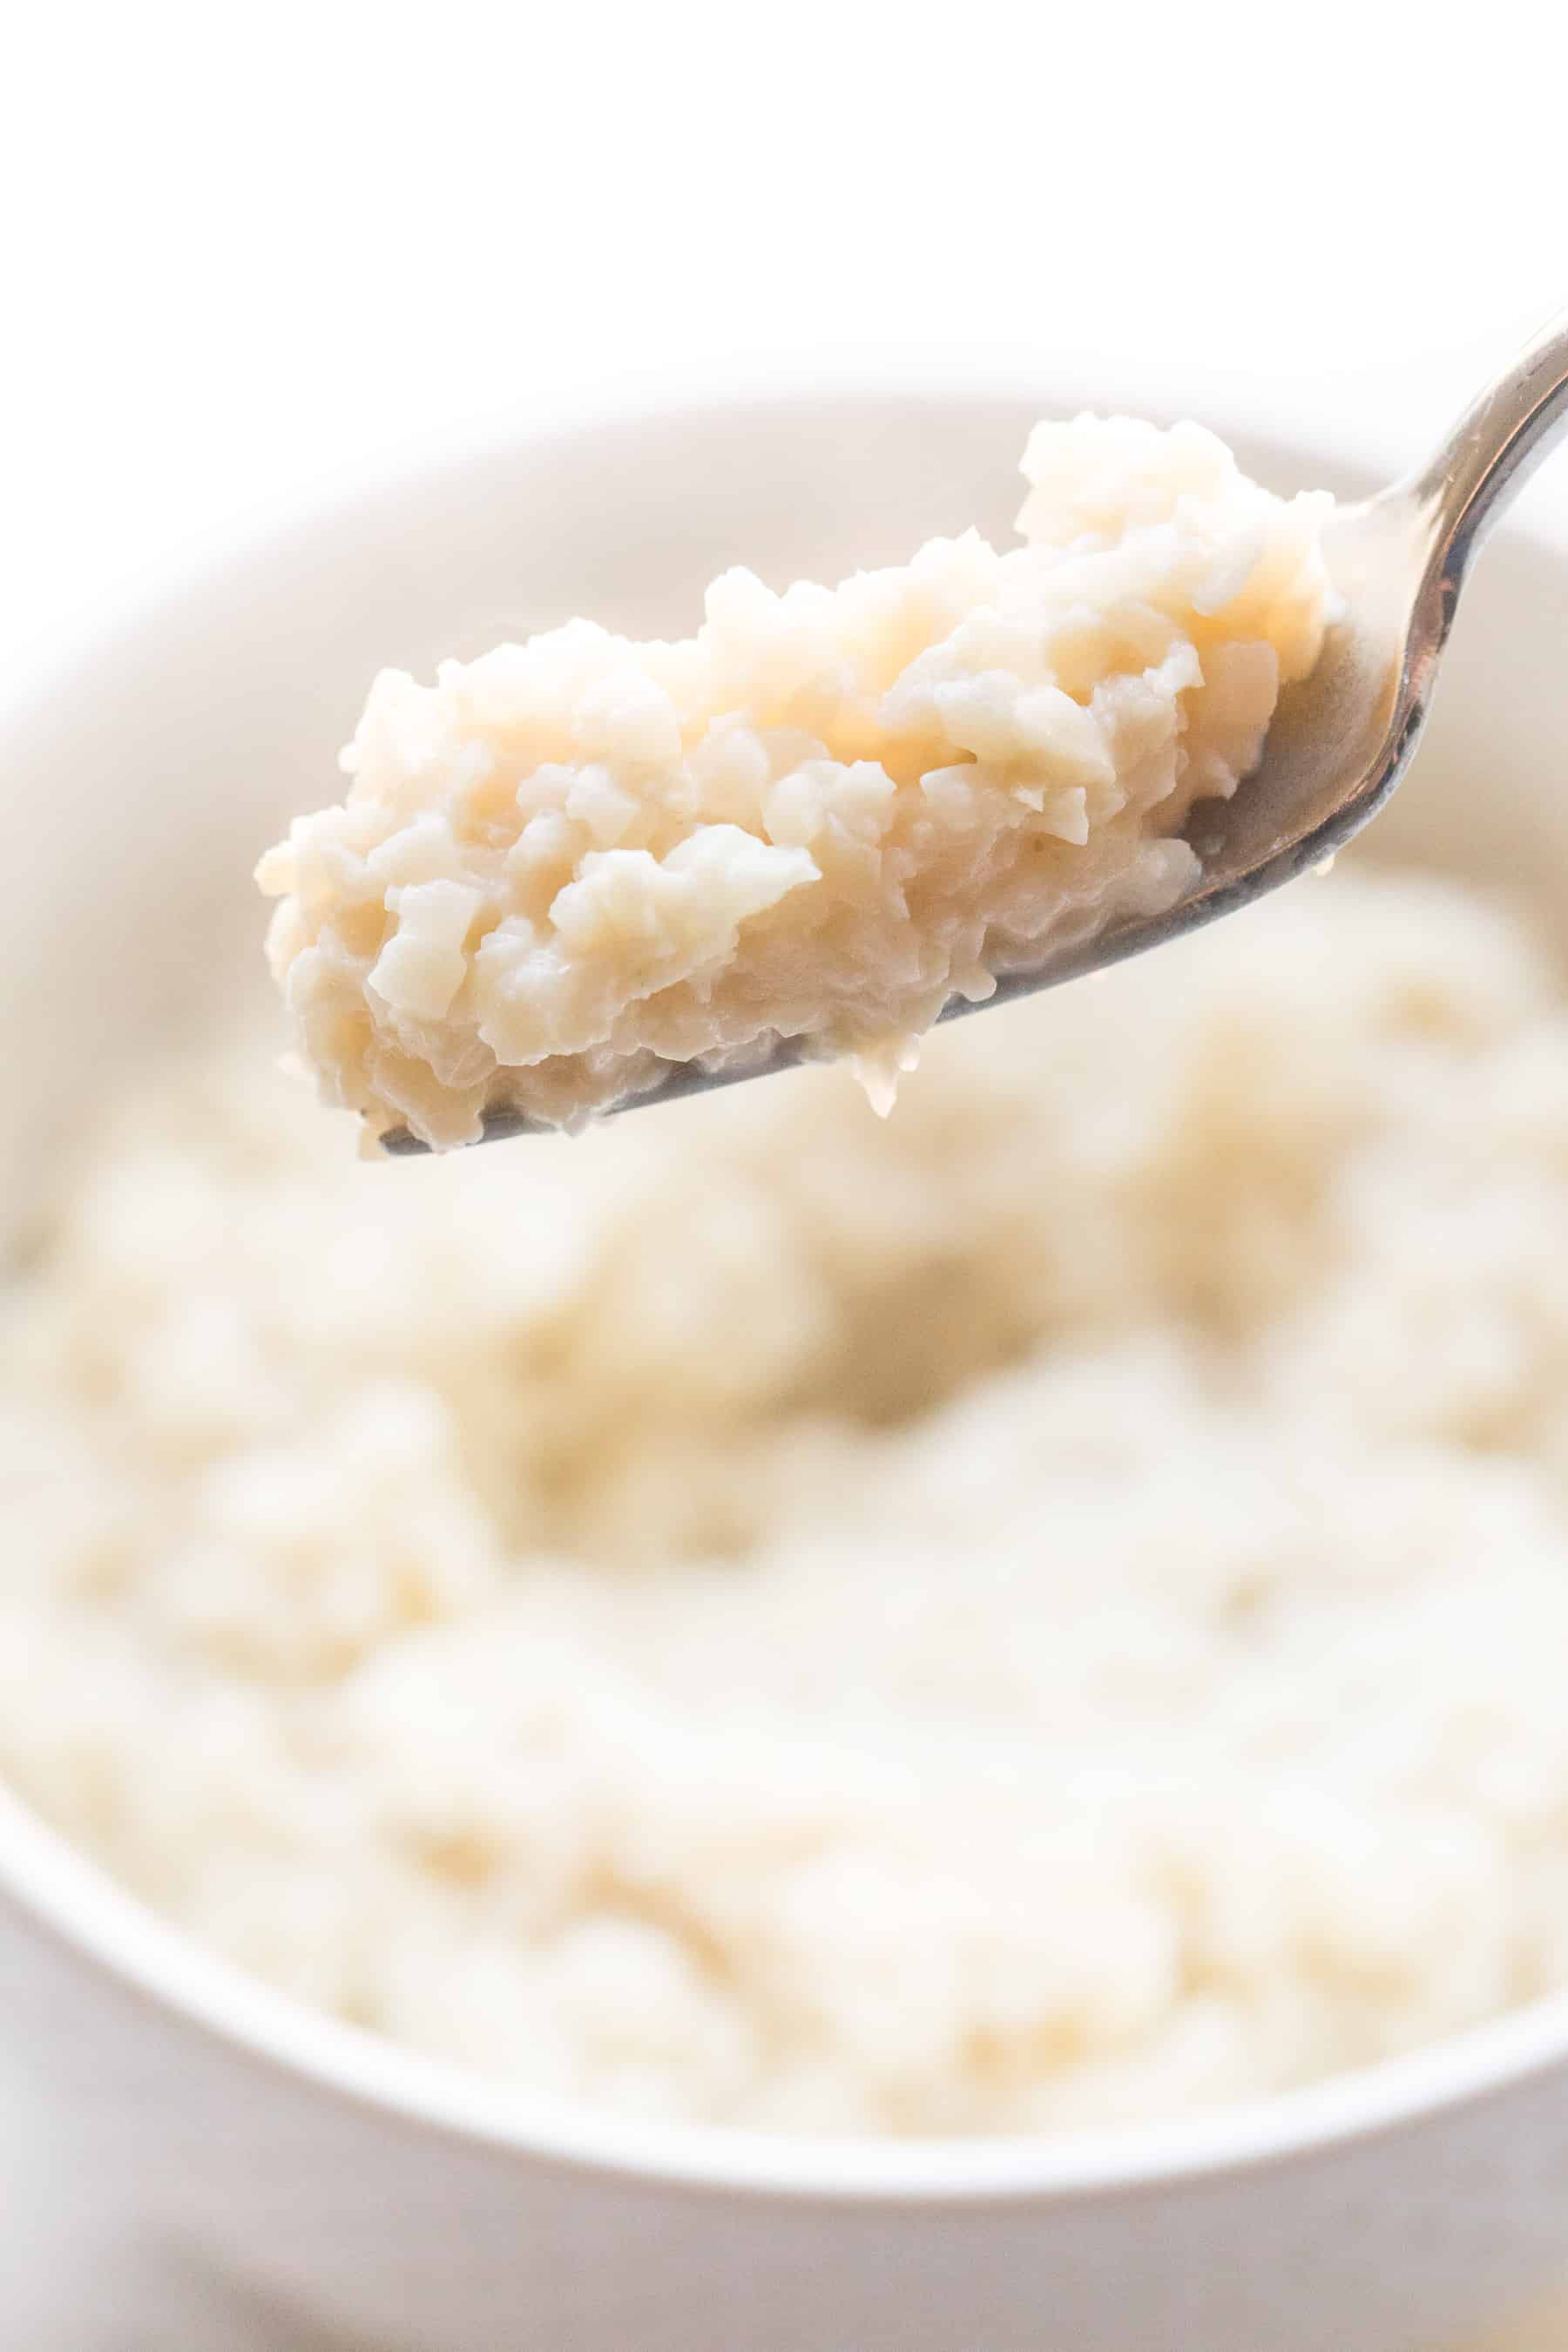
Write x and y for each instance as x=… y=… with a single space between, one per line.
x=1045 y=1611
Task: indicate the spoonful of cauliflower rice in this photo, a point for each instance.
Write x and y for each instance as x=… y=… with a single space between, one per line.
x=582 y=873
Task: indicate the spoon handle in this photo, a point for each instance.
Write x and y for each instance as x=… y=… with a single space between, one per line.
x=1494 y=449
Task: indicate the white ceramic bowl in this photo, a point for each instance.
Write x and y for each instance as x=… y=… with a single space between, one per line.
x=366 y=2194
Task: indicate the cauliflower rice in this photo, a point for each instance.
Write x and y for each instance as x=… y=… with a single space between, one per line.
x=571 y=863
x=1047 y=1610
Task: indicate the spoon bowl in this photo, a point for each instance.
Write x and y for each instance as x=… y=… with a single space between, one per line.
x=1340 y=738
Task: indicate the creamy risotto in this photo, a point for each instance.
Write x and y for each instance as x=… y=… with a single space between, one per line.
x=573 y=862
x=1048 y=1610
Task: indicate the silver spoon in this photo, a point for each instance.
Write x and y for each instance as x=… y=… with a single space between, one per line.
x=1342 y=739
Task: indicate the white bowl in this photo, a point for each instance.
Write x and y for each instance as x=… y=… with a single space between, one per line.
x=350 y=2185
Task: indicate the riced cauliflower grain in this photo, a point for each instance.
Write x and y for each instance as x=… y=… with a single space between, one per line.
x=1045 y=1612
x=573 y=862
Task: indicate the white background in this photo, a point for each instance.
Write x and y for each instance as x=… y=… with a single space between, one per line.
x=246 y=249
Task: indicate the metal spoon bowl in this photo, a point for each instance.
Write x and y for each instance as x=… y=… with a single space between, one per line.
x=1341 y=738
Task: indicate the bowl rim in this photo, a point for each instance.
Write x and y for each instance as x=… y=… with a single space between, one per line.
x=55 y=1893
